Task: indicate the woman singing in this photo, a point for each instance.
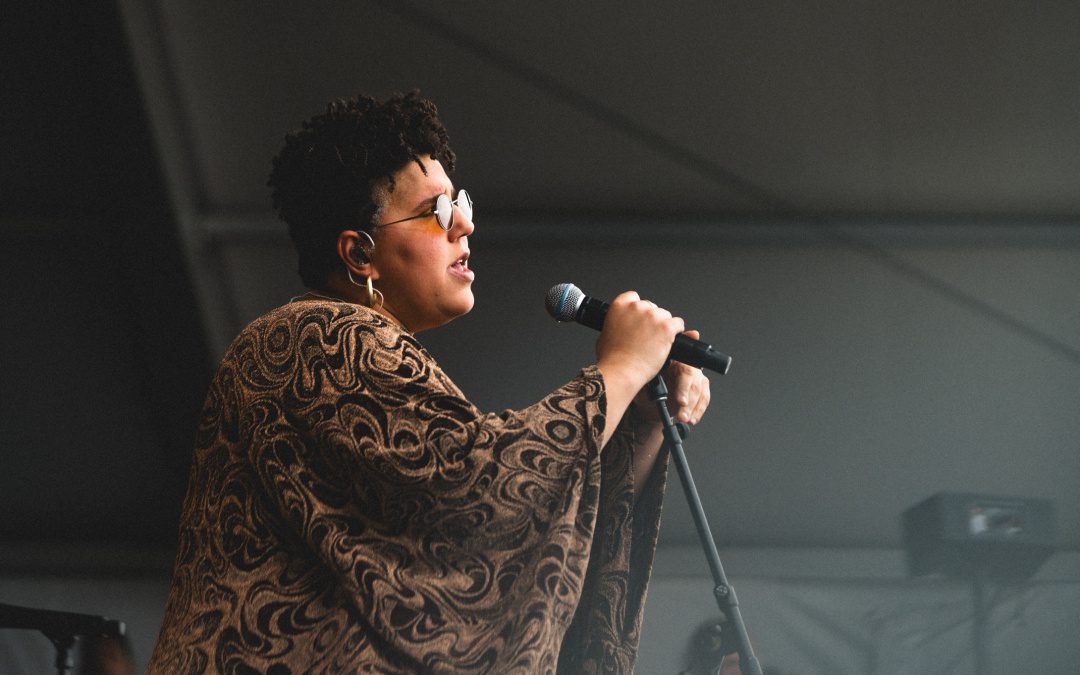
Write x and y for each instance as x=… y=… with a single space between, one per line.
x=349 y=510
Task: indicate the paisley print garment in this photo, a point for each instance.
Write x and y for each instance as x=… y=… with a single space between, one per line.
x=349 y=511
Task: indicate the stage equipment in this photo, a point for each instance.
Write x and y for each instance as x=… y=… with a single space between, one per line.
x=1005 y=538
x=60 y=627
x=980 y=539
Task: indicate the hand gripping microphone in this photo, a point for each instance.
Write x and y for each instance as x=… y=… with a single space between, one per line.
x=566 y=302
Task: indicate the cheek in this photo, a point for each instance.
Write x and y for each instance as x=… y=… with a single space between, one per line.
x=404 y=258
x=421 y=257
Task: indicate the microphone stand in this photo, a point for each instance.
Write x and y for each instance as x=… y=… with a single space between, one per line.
x=730 y=617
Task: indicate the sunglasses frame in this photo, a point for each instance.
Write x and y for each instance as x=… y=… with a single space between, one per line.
x=442 y=200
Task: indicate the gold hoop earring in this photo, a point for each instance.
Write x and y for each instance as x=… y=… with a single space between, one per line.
x=374 y=295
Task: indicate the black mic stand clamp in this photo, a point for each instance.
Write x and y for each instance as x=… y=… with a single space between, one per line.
x=733 y=631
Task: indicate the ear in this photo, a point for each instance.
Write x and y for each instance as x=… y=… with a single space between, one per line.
x=355 y=250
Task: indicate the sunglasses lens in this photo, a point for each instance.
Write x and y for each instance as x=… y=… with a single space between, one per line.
x=464 y=202
x=444 y=211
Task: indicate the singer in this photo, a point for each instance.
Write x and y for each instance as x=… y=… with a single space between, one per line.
x=349 y=510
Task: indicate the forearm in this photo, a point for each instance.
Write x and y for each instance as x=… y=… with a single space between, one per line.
x=688 y=398
x=648 y=440
x=619 y=390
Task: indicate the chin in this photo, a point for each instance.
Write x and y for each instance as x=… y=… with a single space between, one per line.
x=453 y=310
x=466 y=304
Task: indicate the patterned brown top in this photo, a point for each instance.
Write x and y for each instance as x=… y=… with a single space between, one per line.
x=350 y=511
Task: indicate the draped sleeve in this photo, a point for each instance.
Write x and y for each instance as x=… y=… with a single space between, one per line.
x=351 y=511
x=604 y=635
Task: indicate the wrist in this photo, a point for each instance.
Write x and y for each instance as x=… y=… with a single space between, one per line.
x=624 y=375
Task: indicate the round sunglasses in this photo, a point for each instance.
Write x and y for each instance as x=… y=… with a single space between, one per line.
x=444 y=210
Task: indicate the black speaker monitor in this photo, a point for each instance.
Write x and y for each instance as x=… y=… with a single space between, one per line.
x=960 y=534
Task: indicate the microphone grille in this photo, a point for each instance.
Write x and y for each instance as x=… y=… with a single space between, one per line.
x=563 y=300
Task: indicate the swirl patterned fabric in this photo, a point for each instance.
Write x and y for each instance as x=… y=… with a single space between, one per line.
x=349 y=511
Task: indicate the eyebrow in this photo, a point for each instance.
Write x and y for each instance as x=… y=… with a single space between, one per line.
x=431 y=200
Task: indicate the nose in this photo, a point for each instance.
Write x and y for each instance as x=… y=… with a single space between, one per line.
x=463 y=226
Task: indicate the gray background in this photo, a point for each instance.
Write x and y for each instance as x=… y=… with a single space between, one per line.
x=871 y=206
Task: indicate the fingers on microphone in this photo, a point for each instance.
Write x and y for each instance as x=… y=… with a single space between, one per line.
x=678 y=325
x=651 y=311
x=687 y=394
x=683 y=377
x=626 y=297
x=703 y=400
x=690 y=393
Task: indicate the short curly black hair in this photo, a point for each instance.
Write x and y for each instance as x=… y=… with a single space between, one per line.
x=328 y=176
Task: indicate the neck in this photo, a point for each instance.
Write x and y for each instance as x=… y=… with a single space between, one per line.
x=346 y=291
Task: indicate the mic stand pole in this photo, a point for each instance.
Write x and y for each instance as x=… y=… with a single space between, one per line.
x=730 y=617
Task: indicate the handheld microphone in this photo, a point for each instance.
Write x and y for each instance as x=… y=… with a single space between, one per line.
x=567 y=302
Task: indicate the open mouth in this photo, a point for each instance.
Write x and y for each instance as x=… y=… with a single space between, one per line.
x=462 y=263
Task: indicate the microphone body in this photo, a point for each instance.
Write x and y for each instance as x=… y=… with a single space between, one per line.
x=566 y=302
